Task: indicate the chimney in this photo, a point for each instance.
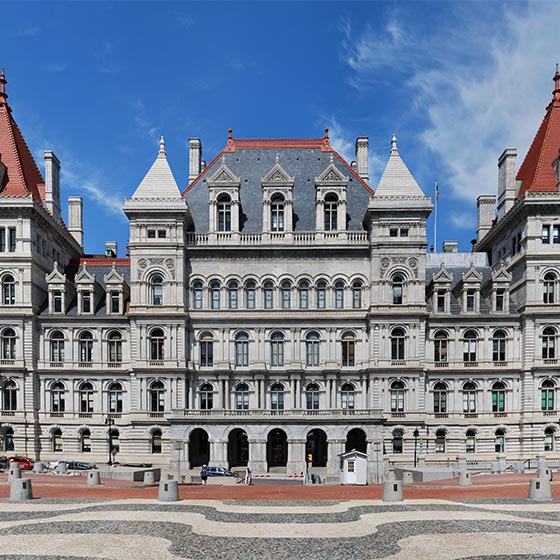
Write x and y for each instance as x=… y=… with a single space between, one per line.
x=506 y=181
x=486 y=206
x=75 y=223
x=450 y=246
x=111 y=249
x=195 y=158
x=362 y=144
x=52 y=184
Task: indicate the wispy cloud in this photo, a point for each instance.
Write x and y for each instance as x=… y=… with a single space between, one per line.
x=143 y=122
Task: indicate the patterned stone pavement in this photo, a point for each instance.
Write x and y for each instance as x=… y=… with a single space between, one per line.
x=137 y=529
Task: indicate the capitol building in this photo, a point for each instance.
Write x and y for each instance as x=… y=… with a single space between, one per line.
x=278 y=310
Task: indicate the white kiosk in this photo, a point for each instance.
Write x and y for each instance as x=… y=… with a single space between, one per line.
x=353 y=468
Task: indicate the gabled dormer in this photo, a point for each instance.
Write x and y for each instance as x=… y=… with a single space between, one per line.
x=88 y=291
x=440 y=290
x=330 y=198
x=116 y=292
x=277 y=199
x=60 y=291
x=224 y=199
x=497 y=289
x=467 y=290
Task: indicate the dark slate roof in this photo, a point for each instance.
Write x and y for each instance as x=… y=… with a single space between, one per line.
x=304 y=164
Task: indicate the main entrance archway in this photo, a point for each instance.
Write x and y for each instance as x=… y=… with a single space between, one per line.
x=316 y=448
x=356 y=439
x=238 y=448
x=277 y=449
x=199 y=448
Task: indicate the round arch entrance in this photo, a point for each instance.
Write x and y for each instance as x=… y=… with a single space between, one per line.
x=238 y=448
x=356 y=439
x=199 y=448
x=277 y=449
x=316 y=448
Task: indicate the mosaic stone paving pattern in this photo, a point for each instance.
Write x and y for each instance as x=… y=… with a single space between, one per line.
x=201 y=530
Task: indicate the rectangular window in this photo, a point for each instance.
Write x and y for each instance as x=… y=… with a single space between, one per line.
x=151 y=234
x=12 y=245
x=500 y=298
x=115 y=302
x=440 y=305
x=162 y=234
x=404 y=232
x=356 y=298
x=351 y=465
x=86 y=303
x=57 y=302
x=250 y=298
x=471 y=294
x=206 y=354
x=545 y=234
x=556 y=234
x=393 y=232
x=2 y=239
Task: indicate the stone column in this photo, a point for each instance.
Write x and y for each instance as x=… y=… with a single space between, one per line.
x=296 y=456
x=375 y=465
x=257 y=455
x=335 y=448
x=218 y=452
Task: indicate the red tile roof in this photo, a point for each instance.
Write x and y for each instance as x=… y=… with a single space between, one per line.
x=24 y=177
x=536 y=173
x=100 y=260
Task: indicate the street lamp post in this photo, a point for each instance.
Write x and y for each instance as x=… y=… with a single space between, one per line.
x=109 y=421
x=416 y=433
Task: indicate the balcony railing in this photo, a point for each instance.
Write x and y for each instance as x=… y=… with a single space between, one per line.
x=7 y=362
x=297 y=412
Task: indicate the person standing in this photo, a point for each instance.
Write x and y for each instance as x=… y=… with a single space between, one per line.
x=204 y=474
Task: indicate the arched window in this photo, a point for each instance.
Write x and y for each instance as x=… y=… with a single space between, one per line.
x=57 y=347
x=8 y=290
x=206 y=350
x=304 y=294
x=312 y=349
x=330 y=212
x=321 y=294
x=277 y=213
x=286 y=295
x=206 y=394
x=157 y=345
x=277 y=396
x=114 y=442
x=57 y=397
x=157 y=397
x=86 y=347
x=356 y=295
x=224 y=213
x=470 y=442
x=56 y=440
x=233 y=295
x=347 y=393
x=397 y=441
x=9 y=439
x=268 y=288
x=10 y=396
x=250 y=295
x=549 y=284
x=500 y=441
x=242 y=396
x=469 y=397
x=86 y=398
x=469 y=347
x=339 y=295
x=8 y=347
x=348 y=349
x=498 y=397
x=549 y=439
x=548 y=390
x=156 y=287
x=397 y=396
x=277 y=349
x=440 y=347
x=115 y=347
x=499 y=346
x=197 y=295
x=397 y=344
x=312 y=397
x=85 y=441
x=397 y=286
x=549 y=343
x=440 y=441
x=115 y=394
x=440 y=398
x=215 y=295
x=242 y=349
x=156 y=442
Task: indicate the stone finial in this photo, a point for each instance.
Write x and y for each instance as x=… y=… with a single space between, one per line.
x=161 y=146
x=394 y=149
x=331 y=158
x=230 y=134
x=3 y=94
x=277 y=158
x=223 y=159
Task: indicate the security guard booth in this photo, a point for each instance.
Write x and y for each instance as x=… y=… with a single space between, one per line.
x=353 y=468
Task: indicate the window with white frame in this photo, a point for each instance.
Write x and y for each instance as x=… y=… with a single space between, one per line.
x=115 y=347
x=286 y=292
x=8 y=290
x=440 y=441
x=115 y=397
x=233 y=294
x=440 y=398
x=356 y=294
x=250 y=294
x=347 y=393
x=469 y=398
x=339 y=294
x=277 y=213
x=206 y=395
x=548 y=391
x=277 y=396
x=348 y=343
x=396 y=395
x=549 y=343
x=156 y=288
x=549 y=285
x=206 y=350
x=156 y=395
x=56 y=347
x=397 y=287
x=9 y=400
x=441 y=344
x=499 y=346
x=303 y=294
x=157 y=345
x=397 y=344
x=215 y=295
x=312 y=345
x=85 y=343
x=224 y=213
x=242 y=396
x=197 y=295
x=57 y=397
x=277 y=349
x=86 y=398
x=242 y=349
x=470 y=343
x=312 y=397
x=330 y=212
x=321 y=294
x=470 y=441
x=549 y=439
x=8 y=346
x=268 y=289
x=498 y=397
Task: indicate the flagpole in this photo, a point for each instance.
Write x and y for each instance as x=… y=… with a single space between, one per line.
x=436 y=196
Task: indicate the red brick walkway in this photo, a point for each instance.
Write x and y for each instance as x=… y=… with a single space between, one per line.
x=489 y=486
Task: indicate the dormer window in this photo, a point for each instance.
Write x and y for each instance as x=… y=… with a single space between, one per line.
x=86 y=302
x=500 y=299
x=470 y=300
x=440 y=301
x=331 y=211
x=57 y=301
x=224 y=213
x=277 y=213
x=115 y=301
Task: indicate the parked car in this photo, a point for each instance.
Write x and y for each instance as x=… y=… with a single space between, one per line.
x=25 y=463
x=73 y=465
x=219 y=471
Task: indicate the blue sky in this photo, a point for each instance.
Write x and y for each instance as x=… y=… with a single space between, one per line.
x=99 y=82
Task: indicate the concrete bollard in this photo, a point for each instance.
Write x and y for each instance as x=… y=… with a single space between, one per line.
x=39 y=468
x=519 y=467
x=61 y=468
x=539 y=490
x=15 y=472
x=465 y=478
x=392 y=491
x=93 y=478
x=20 y=489
x=461 y=463
x=407 y=477
x=495 y=467
x=542 y=468
x=168 y=491
x=149 y=477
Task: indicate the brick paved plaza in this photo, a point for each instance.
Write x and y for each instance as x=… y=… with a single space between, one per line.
x=68 y=520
